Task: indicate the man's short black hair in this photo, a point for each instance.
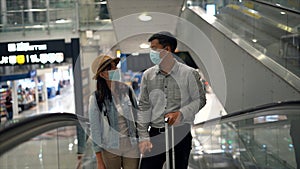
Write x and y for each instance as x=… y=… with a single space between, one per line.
x=165 y=39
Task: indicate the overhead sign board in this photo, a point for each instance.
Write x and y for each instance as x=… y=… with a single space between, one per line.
x=32 y=52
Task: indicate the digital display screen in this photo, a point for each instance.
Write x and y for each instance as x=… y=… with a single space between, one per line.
x=32 y=52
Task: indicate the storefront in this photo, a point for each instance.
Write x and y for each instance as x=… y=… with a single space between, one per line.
x=24 y=97
x=50 y=62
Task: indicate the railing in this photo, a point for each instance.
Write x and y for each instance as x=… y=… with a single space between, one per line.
x=49 y=15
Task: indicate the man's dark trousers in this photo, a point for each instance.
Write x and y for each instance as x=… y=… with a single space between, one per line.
x=157 y=157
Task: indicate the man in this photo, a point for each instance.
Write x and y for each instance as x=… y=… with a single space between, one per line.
x=168 y=90
x=9 y=106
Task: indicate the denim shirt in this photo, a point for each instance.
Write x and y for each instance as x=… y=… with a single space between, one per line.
x=105 y=134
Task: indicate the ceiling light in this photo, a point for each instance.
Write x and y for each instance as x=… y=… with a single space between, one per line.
x=89 y=33
x=144 y=46
x=63 y=21
x=118 y=52
x=145 y=17
x=135 y=53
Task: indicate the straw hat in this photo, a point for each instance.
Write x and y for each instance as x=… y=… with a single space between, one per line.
x=101 y=62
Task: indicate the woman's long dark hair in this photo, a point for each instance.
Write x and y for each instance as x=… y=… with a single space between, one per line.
x=103 y=92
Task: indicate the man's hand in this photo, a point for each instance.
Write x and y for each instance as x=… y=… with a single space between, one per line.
x=174 y=117
x=145 y=146
x=100 y=163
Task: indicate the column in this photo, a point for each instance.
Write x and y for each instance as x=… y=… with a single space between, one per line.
x=14 y=95
x=30 y=16
x=4 y=12
x=48 y=16
x=44 y=89
x=36 y=91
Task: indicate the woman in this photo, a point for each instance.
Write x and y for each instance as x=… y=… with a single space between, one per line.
x=112 y=117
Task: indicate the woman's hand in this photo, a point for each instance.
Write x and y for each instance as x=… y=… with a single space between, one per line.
x=145 y=146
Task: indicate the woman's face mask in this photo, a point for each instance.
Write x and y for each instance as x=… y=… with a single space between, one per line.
x=114 y=75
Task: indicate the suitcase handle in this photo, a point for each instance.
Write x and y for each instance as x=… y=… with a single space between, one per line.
x=167 y=144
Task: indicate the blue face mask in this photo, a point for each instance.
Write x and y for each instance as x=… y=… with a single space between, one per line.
x=155 y=58
x=114 y=75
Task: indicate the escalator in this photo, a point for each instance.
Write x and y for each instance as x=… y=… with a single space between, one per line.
x=248 y=51
x=257 y=138
x=272 y=29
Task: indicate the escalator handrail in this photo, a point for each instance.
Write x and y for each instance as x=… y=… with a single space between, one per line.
x=22 y=130
x=285 y=8
x=252 y=110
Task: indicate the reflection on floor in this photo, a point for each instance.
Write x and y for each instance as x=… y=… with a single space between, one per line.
x=42 y=151
x=61 y=103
